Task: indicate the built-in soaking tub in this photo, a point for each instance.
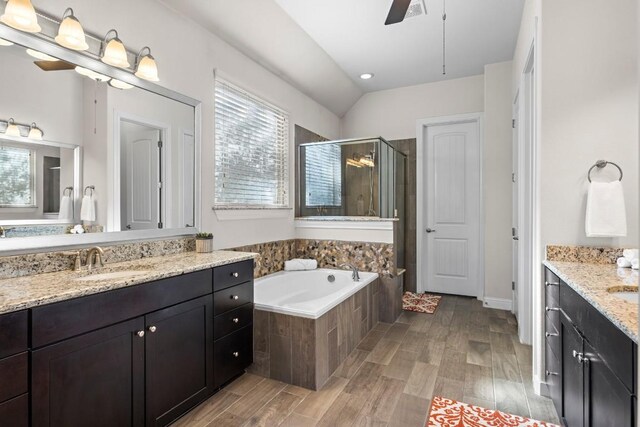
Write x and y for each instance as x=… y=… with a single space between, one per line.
x=307 y=322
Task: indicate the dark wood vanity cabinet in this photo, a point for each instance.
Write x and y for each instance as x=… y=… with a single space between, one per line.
x=160 y=352
x=14 y=369
x=591 y=365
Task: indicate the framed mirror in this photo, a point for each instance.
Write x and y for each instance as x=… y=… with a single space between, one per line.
x=114 y=157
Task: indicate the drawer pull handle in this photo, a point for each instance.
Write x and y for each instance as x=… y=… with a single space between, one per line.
x=235 y=297
x=235 y=274
x=549 y=373
x=552 y=308
x=235 y=320
x=152 y=329
x=549 y=334
x=140 y=334
x=236 y=354
x=579 y=356
x=551 y=284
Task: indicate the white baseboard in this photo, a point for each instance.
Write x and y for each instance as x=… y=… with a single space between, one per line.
x=498 y=303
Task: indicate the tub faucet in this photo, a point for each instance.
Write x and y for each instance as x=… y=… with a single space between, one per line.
x=355 y=275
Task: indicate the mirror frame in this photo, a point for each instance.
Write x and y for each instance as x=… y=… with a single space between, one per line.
x=19 y=245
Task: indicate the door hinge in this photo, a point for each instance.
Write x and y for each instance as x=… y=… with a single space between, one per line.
x=513 y=123
x=513 y=286
x=159 y=144
x=513 y=177
x=159 y=225
x=514 y=232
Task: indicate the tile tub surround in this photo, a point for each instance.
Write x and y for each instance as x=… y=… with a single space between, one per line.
x=591 y=282
x=305 y=352
x=30 y=291
x=49 y=262
x=271 y=255
x=366 y=256
x=587 y=254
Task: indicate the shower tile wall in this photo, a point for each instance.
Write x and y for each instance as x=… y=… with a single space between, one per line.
x=408 y=147
x=356 y=183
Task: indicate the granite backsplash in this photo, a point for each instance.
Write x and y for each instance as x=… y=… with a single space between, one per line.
x=585 y=254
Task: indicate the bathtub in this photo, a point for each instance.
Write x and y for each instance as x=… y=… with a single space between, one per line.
x=307 y=294
x=305 y=326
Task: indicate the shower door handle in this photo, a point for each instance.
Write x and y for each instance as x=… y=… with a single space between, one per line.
x=430 y=230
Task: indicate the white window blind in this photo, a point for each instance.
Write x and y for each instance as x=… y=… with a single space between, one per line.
x=16 y=177
x=323 y=175
x=251 y=150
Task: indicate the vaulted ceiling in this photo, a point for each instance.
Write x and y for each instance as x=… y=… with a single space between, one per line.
x=322 y=46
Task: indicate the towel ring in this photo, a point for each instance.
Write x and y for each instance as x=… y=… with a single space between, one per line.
x=89 y=187
x=601 y=164
x=69 y=189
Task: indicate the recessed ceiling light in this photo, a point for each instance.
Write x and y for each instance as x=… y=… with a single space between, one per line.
x=366 y=76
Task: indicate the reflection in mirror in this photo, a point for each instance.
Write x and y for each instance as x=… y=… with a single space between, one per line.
x=137 y=151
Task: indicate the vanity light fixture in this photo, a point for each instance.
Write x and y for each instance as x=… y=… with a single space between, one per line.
x=119 y=84
x=21 y=15
x=12 y=128
x=146 y=67
x=366 y=76
x=112 y=50
x=4 y=42
x=70 y=33
x=42 y=56
x=92 y=74
x=35 y=132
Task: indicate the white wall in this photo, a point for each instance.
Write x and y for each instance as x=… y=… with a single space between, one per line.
x=497 y=168
x=392 y=113
x=186 y=56
x=589 y=111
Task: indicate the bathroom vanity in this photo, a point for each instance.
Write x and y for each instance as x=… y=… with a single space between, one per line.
x=590 y=346
x=136 y=352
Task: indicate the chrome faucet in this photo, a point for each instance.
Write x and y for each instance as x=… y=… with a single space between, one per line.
x=355 y=275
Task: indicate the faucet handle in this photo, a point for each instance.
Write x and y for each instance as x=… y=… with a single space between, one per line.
x=77 y=266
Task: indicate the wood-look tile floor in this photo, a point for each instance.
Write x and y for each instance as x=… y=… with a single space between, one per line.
x=464 y=351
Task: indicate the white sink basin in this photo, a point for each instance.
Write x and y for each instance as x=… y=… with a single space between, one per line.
x=627 y=296
x=114 y=275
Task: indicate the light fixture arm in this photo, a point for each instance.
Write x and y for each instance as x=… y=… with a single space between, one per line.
x=68 y=13
x=35 y=126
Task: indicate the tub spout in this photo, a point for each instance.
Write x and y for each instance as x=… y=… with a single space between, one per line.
x=355 y=275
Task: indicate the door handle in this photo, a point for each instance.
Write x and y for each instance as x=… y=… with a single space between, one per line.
x=515 y=238
x=430 y=230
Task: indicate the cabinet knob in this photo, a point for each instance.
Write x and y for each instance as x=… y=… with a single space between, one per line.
x=549 y=373
x=236 y=354
x=234 y=297
x=235 y=274
x=152 y=329
x=235 y=320
x=140 y=334
x=549 y=334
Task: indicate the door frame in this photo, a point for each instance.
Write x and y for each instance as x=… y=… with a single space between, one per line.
x=421 y=126
x=114 y=214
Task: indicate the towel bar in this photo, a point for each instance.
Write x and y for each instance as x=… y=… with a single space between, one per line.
x=64 y=192
x=600 y=164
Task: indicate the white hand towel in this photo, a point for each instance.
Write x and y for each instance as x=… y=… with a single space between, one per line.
x=606 y=215
x=298 y=264
x=66 y=208
x=88 y=209
x=631 y=254
x=623 y=262
x=635 y=264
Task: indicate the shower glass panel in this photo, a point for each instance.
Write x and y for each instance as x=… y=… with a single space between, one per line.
x=400 y=209
x=355 y=177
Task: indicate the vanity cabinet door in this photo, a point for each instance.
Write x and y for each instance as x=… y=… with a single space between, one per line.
x=179 y=359
x=95 y=379
x=572 y=375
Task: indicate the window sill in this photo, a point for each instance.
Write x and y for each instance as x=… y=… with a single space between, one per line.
x=238 y=214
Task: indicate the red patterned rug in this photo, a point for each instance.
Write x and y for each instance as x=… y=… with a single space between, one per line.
x=451 y=413
x=422 y=303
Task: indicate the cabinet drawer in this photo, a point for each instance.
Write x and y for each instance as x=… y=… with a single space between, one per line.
x=232 y=274
x=14 y=333
x=553 y=377
x=14 y=376
x=233 y=354
x=55 y=322
x=232 y=321
x=15 y=412
x=234 y=297
x=553 y=338
x=614 y=348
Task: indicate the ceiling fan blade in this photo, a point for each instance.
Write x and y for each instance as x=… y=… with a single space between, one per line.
x=397 y=12
x=54 y=65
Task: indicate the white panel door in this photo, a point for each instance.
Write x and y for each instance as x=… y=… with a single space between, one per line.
x=142 y=180
x=188 y=178
x=452 y=209
x=514 y=212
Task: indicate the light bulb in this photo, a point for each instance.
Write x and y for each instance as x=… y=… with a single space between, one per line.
x=146 y=67
x=12 y=129
x=114 y=52
x=70 y=33
x=35 y=132
x=21 y=15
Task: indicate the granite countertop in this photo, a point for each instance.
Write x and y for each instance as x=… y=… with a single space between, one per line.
x=591 y=281
x=30 y=291
x=345 y=218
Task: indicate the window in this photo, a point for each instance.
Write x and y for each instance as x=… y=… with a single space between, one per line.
x=323 y=175
x=251 y=151
x=16 y=177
